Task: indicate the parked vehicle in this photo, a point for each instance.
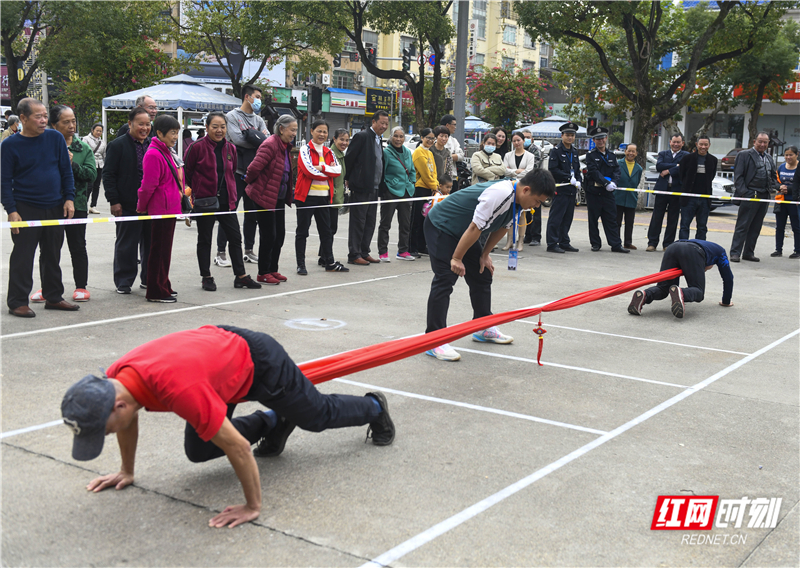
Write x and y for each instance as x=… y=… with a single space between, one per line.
x=720 y=186
x=727 y=162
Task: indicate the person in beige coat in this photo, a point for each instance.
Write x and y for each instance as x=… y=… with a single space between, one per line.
x=486 y=165
x=518 y=162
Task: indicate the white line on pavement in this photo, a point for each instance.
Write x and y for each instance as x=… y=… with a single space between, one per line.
x=474 y=407
x=441 y=528
x=30 y=429
x=636 y=338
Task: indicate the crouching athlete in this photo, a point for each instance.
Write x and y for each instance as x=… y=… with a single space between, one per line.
x=201 y=375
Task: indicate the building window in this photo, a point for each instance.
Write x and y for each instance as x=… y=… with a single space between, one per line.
x=544 y=47
x=408 y=42
x=543 y=63
x=528 y=65
x=343 y=79
x=527 y=41
x=508 y=63
x=479 y=13
x=477 y=61
x=510 y=35
x=370 y=39
x=455 y=12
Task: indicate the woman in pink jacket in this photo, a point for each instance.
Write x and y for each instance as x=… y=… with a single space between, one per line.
x=160 y=194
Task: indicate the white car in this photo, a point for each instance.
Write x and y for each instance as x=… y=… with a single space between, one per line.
x=720 y=186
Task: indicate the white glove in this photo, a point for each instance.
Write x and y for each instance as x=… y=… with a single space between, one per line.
x=611 y=186
x=577 y=184
x=572 y=180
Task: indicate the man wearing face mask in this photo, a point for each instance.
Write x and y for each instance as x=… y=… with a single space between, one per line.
x=240 y=120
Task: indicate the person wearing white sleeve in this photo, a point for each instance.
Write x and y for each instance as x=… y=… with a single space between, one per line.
x=456 y=152
x=518 y=163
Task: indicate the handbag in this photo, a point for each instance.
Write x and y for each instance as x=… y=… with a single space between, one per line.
x=186 y=202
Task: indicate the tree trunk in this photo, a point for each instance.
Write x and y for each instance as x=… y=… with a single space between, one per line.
x=753 y=128
x=709 y=120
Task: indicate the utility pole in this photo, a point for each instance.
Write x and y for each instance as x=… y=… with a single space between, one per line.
x=460 y=97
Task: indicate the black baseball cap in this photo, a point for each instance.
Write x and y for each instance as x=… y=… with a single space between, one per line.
x=86 y=408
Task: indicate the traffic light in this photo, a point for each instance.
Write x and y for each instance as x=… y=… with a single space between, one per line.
x=337 y=60
x=406 y=59
x=372 y=55
x=316 y=100
x=591 y=123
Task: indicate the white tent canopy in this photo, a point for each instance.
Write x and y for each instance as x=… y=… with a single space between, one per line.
x=549 y=128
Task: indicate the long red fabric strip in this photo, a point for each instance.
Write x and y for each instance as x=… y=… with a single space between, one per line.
x=364 y=358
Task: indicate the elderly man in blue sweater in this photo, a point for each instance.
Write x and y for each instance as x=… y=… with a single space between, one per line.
x=36 y=183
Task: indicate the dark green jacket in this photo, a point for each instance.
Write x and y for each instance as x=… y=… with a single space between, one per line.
x=84 y=171
x=628 y=198
x=338 y=182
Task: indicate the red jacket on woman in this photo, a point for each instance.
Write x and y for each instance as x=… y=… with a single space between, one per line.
x=201 y=170
x=265 y=172
x=310 y=170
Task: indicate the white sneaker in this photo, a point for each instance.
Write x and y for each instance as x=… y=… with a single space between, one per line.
x=94 y=211
x=37 y=297
x=222 y=260
x=249 y=256
x=491 y=335
x=444 y=353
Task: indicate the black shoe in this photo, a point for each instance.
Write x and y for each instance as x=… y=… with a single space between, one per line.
x=382 y=429
x=123 y=290
x=526 y=241
x=246 y=282
x=174 y=294
x=751 y=258
x=795 y=255
x=301 y=270
x=637 y=303
x=568 y=248
x=620 y=249
x=676 y=295
x=734 y=259
x=272 y=444
x=415 y=254
x=169 y=300
x=143 y=286
x=777 y=253
x=595 y=248
x=209 y=285
x=535 y=243
x=320 y=261
x=336 y=267
x=555 y=249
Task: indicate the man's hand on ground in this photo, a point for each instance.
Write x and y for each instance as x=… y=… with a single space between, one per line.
x=232 y=516
x=119 y=480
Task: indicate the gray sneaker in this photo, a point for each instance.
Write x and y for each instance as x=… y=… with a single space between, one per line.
x=222 y=260
x=250 y=257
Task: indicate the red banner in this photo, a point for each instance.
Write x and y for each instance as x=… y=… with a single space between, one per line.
x=791 y=91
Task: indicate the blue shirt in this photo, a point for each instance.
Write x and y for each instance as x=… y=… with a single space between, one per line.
x=715 y=256
x=785 y=174
x=35 y=171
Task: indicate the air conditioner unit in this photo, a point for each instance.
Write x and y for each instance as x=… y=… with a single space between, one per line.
x=359 y=78
x=326 y=79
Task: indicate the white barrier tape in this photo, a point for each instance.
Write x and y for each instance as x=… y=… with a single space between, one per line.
x=87 y=221
x=720 y=197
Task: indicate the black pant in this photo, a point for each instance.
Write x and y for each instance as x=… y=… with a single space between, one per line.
x=76 y=241
x=229 y=226
x=403 y=224
x=126 y=251
x=96 y=187
x=533 y=231
x=629 y=214
x=160 y=258
x=323 y=218
x=792 y=212
x=333 y=212
x=250 y=221
x=362 y=223
x=20 y=267
x=671 y=204
x=559 y=221
x=691 y=259
x=416 y=239
x=603 y=207
x=272 y=232
x=441 y=247
x=748 y=227
x=696 y=208
x=278 y=384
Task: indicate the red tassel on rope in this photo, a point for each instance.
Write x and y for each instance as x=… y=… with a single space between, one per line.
x=540 y=331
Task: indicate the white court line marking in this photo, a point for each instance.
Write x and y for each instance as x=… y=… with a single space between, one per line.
x=200 y=307
x=593 y=371
x=474 y=407
x=637 y=338
x=459 y=518
x=30 y=429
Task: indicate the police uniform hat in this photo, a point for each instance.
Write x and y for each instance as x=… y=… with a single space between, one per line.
x=598 y=132
x=568 y=128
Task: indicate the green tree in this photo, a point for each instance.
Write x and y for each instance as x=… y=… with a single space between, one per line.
x=629 y=40
x=263 y=32
x=511 y=95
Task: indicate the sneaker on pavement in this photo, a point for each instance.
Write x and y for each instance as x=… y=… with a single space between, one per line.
x=279 y=276
x=37 y=297
x=650 y=248
x=676 y=295
x=336 y=267
x=81 y=295
x=384 y=257
x=168 y=300
x=246 y=282
x=249 y=256
x=405 y=256
x=124 y=290
x=637 y=303
x=444 y=353
x=491 y=335
x=381 y=430
x=268 y=279
x=274 y=442
x=209 y=285
x=222 y=260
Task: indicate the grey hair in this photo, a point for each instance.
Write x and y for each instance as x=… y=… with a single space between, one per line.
x=25 y=106
x=140 y=100
x=396 y=128
x=283 y=121
x=12 y=119
x=762 y=133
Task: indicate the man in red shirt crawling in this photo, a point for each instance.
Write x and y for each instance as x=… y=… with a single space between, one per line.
x=201 y=375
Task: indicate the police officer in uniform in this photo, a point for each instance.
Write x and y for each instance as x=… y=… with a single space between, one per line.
x=566 y=169
x=602 y=177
